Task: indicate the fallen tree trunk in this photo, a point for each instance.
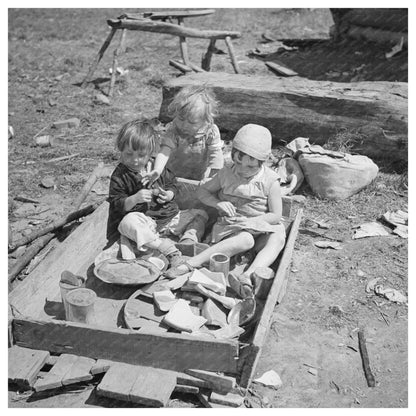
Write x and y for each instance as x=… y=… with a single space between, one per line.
x=294 y=107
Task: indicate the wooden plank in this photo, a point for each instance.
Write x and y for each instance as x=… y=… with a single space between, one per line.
x=153 y=387
x=182 y=388
x=229 y=399
x=101 y=366
x=293 y=107
x=217 y=381
x=53 y=379
x=264 y=323
x=76 y=253
x=80 y=371
x=188 y=380
x=168 y=351
x=118 y=381
x=281 y=70
x=148 y=25
x=25 y=364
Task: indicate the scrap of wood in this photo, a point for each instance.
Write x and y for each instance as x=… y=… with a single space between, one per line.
x=148 y=25
x=182 y=67
x=371 y=382
x=181 y=388
x=25 y=364
x=80 y=371
x=101 y=366
x=165 y=350
x=217 y=381
x=60 y=159
x=144 y=385
x=23 y=198
x=229 y=399
x=281 y=70
x=53 y=379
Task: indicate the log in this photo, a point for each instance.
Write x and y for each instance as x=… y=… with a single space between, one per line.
x=293 y=107
x=54 y=226
x=148 y=25
x=371 y=382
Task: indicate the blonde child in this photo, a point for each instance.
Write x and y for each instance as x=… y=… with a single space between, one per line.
x=143 y=215
x=191 y=146
x=247 y=197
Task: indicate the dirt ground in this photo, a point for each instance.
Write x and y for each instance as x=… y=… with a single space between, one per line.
x=315 y=326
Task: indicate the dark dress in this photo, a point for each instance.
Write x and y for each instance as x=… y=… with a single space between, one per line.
x=124 y=183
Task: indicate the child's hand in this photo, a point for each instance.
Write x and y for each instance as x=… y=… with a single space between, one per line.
x=226 y=208
x=150 y=177
x=163 y=196
x=144 y=195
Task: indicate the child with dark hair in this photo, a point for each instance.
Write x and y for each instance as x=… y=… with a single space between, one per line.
x=141 y=215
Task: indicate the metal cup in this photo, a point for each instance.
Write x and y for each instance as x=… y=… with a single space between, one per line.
x=263 y=280
x=81 y=305
x=65 y=289
x=219 y=262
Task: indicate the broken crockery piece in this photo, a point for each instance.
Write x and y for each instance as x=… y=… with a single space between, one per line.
x=242 y=313
x=371 y=285
x=71 y=279
x=370 y=229
x=392 y=295
x=228 y=332
x=328 y=244
x=214 y=313
x=200 y=278
x=164 y=300
x=182 y=318
x=228 y=302
x=270 y=379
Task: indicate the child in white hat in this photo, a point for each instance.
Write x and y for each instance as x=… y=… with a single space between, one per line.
x=247 y=197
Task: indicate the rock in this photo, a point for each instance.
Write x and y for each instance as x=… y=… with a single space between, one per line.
x=10 y=132
x=101 y=99
x=44 y=141
x=69 y=123
x=48 y=182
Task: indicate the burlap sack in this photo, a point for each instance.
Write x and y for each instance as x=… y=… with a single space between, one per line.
x=335 y=177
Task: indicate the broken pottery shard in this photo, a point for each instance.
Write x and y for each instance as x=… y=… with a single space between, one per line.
x=164 y=299
x=370 y=229
x=371 y=285
x=270 y=378
x=214 y=313
x=157 y=286
x=200 y=278
x=402 y=231
x=178 y=282
x=225 y=300
x=181 y=317
x=48 y=182
x=328 y=244
x=215 y=276
x=228 y=332
x=396 y=218
x=391 y=294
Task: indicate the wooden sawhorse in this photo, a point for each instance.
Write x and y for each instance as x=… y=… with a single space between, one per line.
x=157 y=22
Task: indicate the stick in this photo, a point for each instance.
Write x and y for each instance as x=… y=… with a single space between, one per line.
x=281 y=70
x=59 y=159
x=54 y=226
x=206 y=60
x=371 y=382
x=232 y=55
x=180 y=66
x=182 y=45
x=22 y=198
x=95 y=175
x=115 y=60
x=195 y=68
x=100 y=54
x=28 y=256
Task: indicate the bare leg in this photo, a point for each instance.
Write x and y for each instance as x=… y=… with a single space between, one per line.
x=236 y=244
x=269 y=246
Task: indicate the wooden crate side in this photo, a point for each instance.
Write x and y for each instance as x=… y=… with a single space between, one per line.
x=167 y=351
x=260 y=334
x=75 y=253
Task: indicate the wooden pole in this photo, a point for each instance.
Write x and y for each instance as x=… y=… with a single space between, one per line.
x=95 y=175
x=178 y=65
x=206 y=60
x=182 y=44
x=54 y=226
x=28 y=256
x=117 y=51
x=100 y=54
x=232 y=55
